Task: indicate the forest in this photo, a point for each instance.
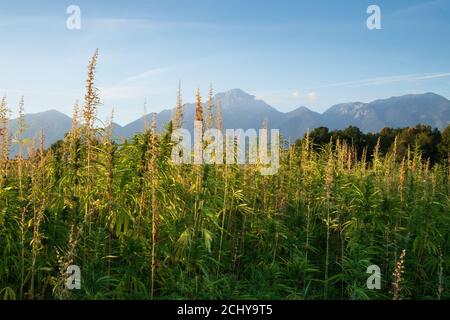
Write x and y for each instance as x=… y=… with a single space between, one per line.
x=141 y=227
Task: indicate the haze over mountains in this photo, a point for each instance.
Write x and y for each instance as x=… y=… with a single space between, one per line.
x=242 y=110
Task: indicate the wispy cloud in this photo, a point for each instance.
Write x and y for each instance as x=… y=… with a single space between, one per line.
x=290 y=97
x=27 y=20
x=122 y=92
x=149 y=73
x=200 y=62
x=112 y=24
x=129 y=24
x=6 y=91
x=103 y=24
x=119 y=92
x=386 y=80
x=417 y=8
x=360 y=83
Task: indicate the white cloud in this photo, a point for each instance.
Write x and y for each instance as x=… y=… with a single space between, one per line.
x=312 y=96
x=296 y=94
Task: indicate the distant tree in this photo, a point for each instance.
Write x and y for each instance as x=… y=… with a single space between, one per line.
x=354 y=136
x=405 y=141
x=320 y=136
x=387 y=139
x=430 y=142
x=444 y=145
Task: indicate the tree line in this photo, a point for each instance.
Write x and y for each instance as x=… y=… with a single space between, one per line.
x=433 y=144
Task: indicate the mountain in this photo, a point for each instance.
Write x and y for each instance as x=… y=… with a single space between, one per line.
x=356 y=114
x=428 y=108
x=239 y=110
x=403 y=111
x=242 y=110
x=298 y=121
x=54 y=124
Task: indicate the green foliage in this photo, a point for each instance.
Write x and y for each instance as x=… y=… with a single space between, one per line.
x=432 y=144
x=226 y=232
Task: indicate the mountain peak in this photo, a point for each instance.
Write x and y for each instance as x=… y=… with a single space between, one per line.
x=234 y=95
x=414 y=96
x=237 y=98
x=237 y=92
x=300 y=111
x=52 y=113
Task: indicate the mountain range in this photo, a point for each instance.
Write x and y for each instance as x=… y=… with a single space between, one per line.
x=242 y=110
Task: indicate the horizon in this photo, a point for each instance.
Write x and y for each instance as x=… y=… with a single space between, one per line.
x=288 y=53
x=121 y=124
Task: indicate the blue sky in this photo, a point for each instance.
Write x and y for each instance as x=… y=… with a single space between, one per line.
x=289 y=53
